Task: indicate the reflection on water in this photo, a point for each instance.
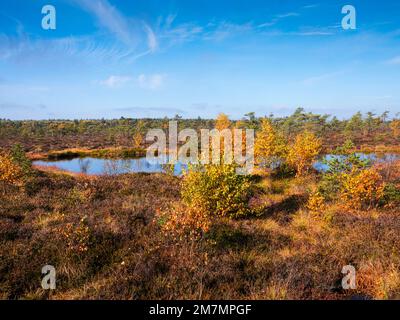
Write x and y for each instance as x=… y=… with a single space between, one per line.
x=96 y=166
x=389 y=157
x=84 y=165
x=118 y=166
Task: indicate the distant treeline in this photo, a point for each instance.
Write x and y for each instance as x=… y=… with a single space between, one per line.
x=43 y=135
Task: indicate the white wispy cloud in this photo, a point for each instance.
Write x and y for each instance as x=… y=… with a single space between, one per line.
x=110 y=18
x=313 y=33
x=277 y=18
x=90 y=49
x=311 y=6
x=171 y=33
x=304 y=32
x=127 y=39
x=131 y=32
x=121 y=38
x=170 y=19
x=181 y=33
x=288 y=14
x=116 y=81
x=174 y=33
x=151 y=38
x=226 y=29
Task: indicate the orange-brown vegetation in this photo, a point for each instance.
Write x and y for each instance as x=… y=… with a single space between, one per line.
x=10 y=172
x=210 y=234
x=135 y=236
x=362 y=189
x=304 y=152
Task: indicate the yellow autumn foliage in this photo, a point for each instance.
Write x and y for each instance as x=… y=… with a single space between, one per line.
x=362 y=189
x=304 y=152
x=10 y=172
x=137 y=140
x=208 y=193
x=269 y=145
x=217 y=190
x=222 y=122
x=395 y=126
x=138 y=134
x=316 y=202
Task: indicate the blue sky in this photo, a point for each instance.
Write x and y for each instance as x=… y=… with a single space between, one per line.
x=148 y=58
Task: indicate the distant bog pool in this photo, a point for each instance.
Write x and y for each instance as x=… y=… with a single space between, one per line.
x=95 y=166
x=373 y=157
